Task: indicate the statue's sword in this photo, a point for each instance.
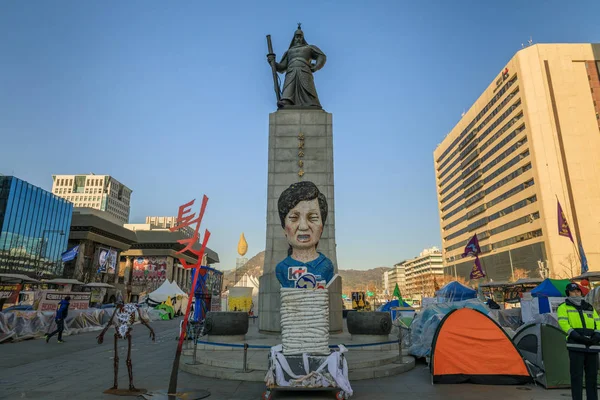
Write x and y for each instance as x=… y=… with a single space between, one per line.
x=275 y=81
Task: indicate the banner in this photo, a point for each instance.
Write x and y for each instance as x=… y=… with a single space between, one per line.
x=563 y=225
x=107 y=261
x=49 y=300
x=97 y=295
x=240 y=299
x=10 y=292
x=477 y=271
x=150 y=269
x=584 y=263
x=70 y=254
x=472 y=248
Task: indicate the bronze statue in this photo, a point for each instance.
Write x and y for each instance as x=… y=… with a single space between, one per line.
x=299 y=85
x=125 y=318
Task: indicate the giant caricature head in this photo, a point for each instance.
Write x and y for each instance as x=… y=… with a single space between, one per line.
x=303 y=212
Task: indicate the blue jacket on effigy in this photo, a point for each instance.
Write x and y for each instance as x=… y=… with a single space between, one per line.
x=289 y=270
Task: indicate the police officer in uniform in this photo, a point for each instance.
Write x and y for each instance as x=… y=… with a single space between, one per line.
x=582 y=325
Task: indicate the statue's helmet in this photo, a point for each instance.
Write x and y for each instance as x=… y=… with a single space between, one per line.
x=298 y=32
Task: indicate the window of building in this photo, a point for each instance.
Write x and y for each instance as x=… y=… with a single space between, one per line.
x=475 y=120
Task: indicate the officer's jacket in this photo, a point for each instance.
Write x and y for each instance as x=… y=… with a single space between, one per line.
x=582 y=319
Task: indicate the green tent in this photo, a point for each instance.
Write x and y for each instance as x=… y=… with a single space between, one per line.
x=545 y=352
x=168 y=311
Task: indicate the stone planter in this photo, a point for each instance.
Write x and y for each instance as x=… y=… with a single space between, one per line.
x=369 y=323
x=226 y=325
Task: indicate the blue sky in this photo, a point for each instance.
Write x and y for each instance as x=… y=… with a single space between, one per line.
x=172 y=99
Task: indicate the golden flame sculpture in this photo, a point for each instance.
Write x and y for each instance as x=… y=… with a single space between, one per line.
x=242 y=245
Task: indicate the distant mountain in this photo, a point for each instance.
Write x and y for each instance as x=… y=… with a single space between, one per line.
x=352 y=280
x=359 y=280
x=254 y=267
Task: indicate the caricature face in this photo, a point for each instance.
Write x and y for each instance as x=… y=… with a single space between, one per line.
x=303 y=225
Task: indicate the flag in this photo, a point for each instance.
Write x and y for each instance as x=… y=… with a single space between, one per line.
x=477 y=271
x=584 y=264
x=472 y=248
x=398 y=295
x=563 y=225
x=70 y=254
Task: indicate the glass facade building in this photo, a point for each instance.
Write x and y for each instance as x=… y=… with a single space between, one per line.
x=34 y=231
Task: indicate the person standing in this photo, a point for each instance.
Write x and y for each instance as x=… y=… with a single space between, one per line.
x=581 y=323
x=61 y=315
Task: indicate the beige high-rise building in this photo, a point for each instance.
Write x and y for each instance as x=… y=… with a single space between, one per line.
x=421 y=273
x=531 y=138
x=100 y=192
x=392 y=277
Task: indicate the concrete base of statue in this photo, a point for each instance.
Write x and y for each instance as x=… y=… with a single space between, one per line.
x=369 y=357
x=300 y=149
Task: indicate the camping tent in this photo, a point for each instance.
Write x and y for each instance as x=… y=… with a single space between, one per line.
x=426 y=322
x=469 y=346
x=455 y=291
x=406 y=315
x=164 y=291
x=543 y=346
x=177 y=290
x=394 y=303
x=550 y=288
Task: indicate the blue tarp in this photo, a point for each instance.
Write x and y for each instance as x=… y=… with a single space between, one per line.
x=394 y=303
x=455 y=291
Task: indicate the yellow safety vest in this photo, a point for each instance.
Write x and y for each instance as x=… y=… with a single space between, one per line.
x=583 y=320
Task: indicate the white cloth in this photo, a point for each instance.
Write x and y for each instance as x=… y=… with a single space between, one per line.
x=336 y=374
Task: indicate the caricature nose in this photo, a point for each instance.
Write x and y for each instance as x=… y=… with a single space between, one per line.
x=303 y=224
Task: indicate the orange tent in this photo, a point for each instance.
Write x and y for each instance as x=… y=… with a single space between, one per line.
x=469 y=346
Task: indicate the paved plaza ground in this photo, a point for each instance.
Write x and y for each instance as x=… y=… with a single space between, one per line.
x=80 y=369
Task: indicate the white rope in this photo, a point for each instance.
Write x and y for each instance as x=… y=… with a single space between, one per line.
x=305 y=321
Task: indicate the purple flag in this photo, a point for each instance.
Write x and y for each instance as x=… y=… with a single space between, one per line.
x=477 y=271
x=563 y=225
x=472 y=248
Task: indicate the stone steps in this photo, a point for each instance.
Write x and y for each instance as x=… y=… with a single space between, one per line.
x=220 y=372
x=229 y=365
x=382 y=371
x=225 y=347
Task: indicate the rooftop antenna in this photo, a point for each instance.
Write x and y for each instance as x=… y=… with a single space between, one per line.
x=463 y=113
x=530 y=42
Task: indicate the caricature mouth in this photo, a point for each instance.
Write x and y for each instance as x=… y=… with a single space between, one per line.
x=303 y=238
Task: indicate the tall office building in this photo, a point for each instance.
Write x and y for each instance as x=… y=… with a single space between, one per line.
x=421 y=272
x=392 y=277
x=34 y=229
x=530 y=140
x=101 y=192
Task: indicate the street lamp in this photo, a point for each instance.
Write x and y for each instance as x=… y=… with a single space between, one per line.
x=39 y=260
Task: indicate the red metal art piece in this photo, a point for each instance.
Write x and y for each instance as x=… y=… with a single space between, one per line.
x=185 y=218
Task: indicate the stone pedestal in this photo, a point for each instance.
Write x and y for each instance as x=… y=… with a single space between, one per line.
x=300 y=149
